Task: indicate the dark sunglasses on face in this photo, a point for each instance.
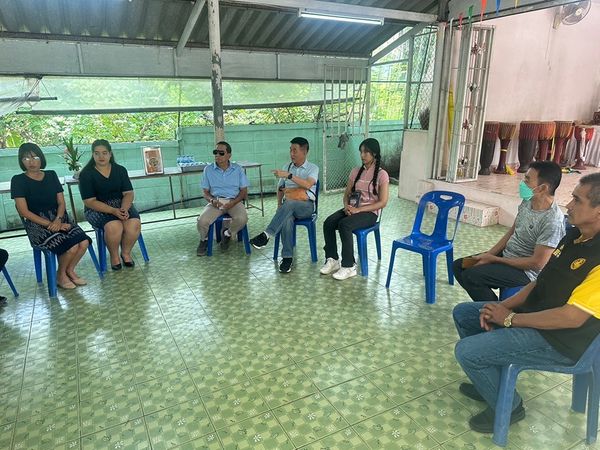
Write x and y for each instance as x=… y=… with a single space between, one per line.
x=218 y=152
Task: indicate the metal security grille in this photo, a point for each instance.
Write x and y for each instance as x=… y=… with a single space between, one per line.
x=344 y=90
x=420 y=76
x=471 y=96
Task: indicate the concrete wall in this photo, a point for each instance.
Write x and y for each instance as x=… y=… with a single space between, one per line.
x=541 y=73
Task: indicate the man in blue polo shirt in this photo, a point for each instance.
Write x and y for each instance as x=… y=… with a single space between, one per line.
x=297 y=186
x=225 y=187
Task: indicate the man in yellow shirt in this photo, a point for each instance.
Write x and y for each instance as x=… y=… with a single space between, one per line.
x=552 y=320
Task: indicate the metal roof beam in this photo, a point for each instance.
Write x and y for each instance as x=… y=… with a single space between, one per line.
x=398 y=42
x=343 y=8
x=189 y=26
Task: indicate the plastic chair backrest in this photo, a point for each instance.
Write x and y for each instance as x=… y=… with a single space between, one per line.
x=591 y=356
x=317 y=197
x=445 y=201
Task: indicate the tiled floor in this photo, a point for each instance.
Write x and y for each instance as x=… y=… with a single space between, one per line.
x=225 y=352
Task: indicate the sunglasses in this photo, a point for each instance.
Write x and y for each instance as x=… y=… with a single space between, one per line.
x=218 y=152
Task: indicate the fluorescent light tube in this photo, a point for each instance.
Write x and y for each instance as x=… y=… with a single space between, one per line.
x=340 y=17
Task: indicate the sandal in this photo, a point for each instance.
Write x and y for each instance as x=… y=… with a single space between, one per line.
x=116 y=266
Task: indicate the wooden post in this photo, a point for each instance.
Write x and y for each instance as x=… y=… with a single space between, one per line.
x=214 y=37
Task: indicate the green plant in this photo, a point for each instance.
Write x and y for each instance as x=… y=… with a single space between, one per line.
x=71 y=155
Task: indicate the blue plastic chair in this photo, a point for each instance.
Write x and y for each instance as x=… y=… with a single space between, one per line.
x=218 y=224
x=311 y=226
x=9 y=281
x=507 y=292
x=102 y=247
x=361 y=242
x=429 y=246
x=51 y=266
x=586 y=387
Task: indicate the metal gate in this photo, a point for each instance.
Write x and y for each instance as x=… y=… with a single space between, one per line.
x=345 y=91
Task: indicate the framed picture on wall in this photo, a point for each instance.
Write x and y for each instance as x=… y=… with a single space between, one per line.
x=153 y=163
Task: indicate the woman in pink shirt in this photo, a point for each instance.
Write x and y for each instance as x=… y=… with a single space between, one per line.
x=365 y=196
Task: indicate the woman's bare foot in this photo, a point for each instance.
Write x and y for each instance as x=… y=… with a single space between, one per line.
x=65 y=282
x=76 y=279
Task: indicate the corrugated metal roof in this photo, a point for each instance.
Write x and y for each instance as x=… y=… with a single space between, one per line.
x=161 y=22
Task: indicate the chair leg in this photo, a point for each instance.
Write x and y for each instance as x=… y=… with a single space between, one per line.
x=593 y=404
x=390 y=267
x=101 y=246
x=361 y=243
x=209 y=247
x=10 y=282
x=430 y=278
x=37 y=262
x=449 y=262
x=51 y=273
x=142 y=245
x=580 y=392
x=312 y=241
x=378 y=244
x=243 y=235
x=276 y=247
x=95 y=261
x=503 y=410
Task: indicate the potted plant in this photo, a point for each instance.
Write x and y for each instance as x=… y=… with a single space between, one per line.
x=72 y=155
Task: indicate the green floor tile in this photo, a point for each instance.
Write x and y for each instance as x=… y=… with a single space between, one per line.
x=55 y=429
x=169 y=356
x=357 y=399
x=394 y=429
x=6 y=434
x=178 y=424
x=105 y=411
x=342 y=440
x=216 y=375
x=284 y=386
x=48 y=396
x=329 y=370
x=439 y=414
x=234 y=404
x=131 y=435
x=262 y=432
x=96 y=382
x=8 y=406
x=167 y=391
x=309 y=419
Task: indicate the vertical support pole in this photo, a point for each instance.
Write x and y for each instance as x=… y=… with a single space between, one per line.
x=214 y=37
x=367 y=101
x=409 y=69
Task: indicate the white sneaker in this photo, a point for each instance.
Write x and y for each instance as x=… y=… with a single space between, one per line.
x=345 y=272
x=330 y=266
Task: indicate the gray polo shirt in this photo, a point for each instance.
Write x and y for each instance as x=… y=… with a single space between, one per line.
x=533 y=228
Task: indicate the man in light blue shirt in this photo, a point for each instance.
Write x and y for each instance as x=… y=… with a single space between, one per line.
x=225 y=186
x=297 y=185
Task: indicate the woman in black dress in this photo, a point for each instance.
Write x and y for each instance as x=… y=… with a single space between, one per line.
x=39 y=199
x=107 y=194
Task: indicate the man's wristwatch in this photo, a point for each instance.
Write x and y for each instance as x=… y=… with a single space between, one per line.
x=289 y=177
x=508 y=320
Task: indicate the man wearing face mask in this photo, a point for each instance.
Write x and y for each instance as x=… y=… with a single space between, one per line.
x=519 y=256
x=225 y=186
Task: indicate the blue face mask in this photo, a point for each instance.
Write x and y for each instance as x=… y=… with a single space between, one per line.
x=525 y=192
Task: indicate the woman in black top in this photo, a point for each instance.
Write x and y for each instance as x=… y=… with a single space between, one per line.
x=39 y=199
x=107 y=194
